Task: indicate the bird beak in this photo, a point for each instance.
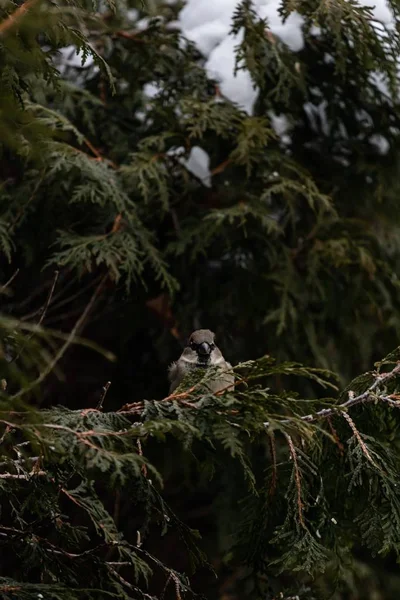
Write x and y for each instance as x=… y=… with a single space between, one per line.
x=204 y=349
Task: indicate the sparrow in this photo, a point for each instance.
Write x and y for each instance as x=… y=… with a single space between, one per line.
x=201 y=352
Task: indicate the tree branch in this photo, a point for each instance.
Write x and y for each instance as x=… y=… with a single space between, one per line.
x=367 y=396
x=16 y=15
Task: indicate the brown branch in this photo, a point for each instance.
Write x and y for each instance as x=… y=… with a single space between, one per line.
x=359 y=439
x=121 y=579
x=221 y=167
x=98 y=155
x=130 y=36
x=297 y=478
x=335 y=436
x=272 y=448
x=169 y=578
x=136 y=407
x=16 y=15
x=230 y=385
x=177 y=586
x=64 y=491
x=140 y=450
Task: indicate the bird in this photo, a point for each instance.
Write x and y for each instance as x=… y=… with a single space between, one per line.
x=201 y=352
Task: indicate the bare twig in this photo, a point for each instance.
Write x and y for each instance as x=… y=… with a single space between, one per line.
x=23 y=208
x=67 y=343
x=49 y=298
x=42 y=316
x=103 y=395
x=9 y=282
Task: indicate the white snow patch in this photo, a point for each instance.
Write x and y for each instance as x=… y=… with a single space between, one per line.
x=132 y=14
x=317 y=116
x=239 y=88
x=71 y=57
x=201 y=12
x=280 y=123
x=197 y=163
x=290 y=32
x=378 y=80
x=208 y=22
x=380 y=10
x=380 y=143
x=208 y=35
x=151 y=90
x=315 y=30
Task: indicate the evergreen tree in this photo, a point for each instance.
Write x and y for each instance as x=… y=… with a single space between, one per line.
x=290 y=250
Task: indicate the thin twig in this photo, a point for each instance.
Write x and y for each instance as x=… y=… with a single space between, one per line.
x=67 y=343
x=103 y=395
x=42 y=316
x=5 y=433
x=359 y=439
x=20 y=476
x=98 y=155
x=335 y=436
x=49 y=298
x=272 y=447
x=131 y=36
x=297 y=479
x=144 y=468
x=9 y=282
x=367 y=396
x=23 y=208
x=137 y=407
x=169 y=578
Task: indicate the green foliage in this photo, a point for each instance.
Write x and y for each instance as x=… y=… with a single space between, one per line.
x=70 y=460
x=290 y=247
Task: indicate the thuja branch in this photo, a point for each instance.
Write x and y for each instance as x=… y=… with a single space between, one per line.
x=370 y=395
x=297 y=479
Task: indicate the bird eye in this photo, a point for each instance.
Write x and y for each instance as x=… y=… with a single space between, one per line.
x=192 y=345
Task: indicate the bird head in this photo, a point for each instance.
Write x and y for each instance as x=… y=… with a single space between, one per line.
x=201 y=345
